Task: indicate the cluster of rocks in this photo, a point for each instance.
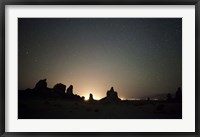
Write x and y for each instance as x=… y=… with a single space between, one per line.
x=60 y=91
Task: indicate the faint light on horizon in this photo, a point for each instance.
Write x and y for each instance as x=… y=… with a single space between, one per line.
x=154 y=99
x=87 y=96
x=134 y=99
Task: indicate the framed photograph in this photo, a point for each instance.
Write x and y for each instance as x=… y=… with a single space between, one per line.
x=100 y=68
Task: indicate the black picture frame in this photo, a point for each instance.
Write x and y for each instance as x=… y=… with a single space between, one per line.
x=98 y=2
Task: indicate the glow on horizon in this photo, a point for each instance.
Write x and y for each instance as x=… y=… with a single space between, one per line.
x=94 y=97
x=133 y=99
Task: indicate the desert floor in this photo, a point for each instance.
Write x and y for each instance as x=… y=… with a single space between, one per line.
x=65 y=109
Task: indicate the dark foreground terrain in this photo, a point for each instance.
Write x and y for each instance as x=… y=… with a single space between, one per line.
x=64 y=109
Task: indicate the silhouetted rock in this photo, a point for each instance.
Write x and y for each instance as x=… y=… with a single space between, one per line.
x=91 y=97
x=70 y=90
x=111 y=96
x=59 y=88
x=71 y=96
x=83 y=98
x=169 y=97
x=43 y=92
x=41 y=85
x=178 y=96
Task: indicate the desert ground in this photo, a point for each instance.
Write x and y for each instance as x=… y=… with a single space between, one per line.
x=64 y=109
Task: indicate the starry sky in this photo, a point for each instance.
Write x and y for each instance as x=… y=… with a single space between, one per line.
x=139 y=57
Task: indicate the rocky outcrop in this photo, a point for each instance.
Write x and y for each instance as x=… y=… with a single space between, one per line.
x=178 y=96
x=70 y=90
x=91 y=98
x=70 y=95
x=41 y=85
x=169 y=97
x=111 y=96
x=59 y=88
x=43 y=92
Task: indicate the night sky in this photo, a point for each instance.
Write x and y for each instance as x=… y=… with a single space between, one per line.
x=139 y=57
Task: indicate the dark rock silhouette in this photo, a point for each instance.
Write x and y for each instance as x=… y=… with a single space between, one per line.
x=111 y=96
x=169 y=97
x=71 y=96
x=178 y=96
x=70 y=90
x=41 y=85
x=43 y=92
x=59 y=88
x=91 y=98
x=83 y=98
